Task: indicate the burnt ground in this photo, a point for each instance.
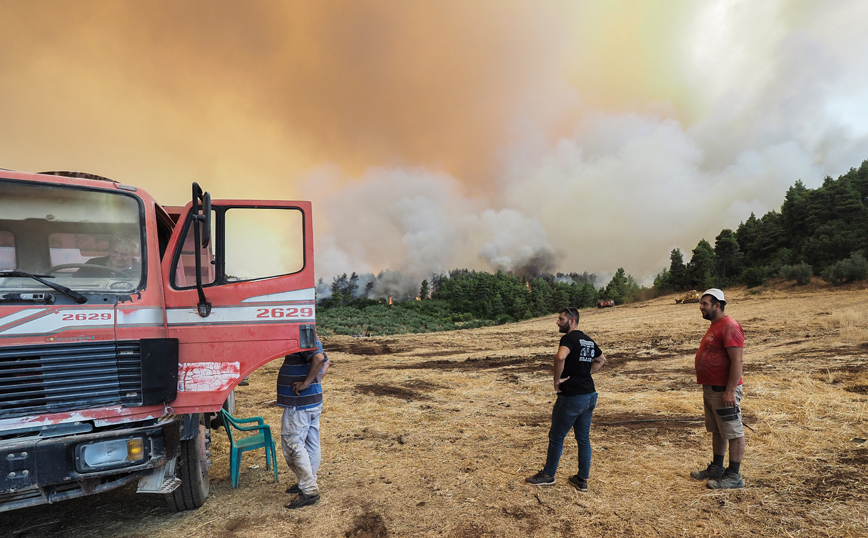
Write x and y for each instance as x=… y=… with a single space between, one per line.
x=432 y=435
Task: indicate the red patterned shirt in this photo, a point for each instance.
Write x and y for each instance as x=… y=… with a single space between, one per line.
x=712 y=361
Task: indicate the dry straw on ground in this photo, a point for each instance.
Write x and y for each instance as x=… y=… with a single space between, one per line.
x=432 y=435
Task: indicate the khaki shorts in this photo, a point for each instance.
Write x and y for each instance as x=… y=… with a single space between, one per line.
x=719 y=418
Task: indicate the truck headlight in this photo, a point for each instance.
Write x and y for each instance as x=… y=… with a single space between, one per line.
x=109 y=454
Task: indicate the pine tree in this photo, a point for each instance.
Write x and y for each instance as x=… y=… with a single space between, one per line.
x=701 y=268
x=728 y=256
x=677 y=270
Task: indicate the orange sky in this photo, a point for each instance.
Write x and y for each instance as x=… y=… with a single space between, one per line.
x=434 y=135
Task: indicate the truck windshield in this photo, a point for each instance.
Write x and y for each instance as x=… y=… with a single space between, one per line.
x=85 y=240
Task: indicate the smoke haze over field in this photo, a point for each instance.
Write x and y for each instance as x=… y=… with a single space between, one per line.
x=494 y=134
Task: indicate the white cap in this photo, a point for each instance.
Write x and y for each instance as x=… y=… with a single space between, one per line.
x=716 y=293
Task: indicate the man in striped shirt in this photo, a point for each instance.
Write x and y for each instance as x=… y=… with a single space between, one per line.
x=299 y=392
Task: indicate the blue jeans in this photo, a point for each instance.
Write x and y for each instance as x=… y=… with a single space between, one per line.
x=571 y=412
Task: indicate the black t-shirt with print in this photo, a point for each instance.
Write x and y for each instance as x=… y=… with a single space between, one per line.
x=577 y=367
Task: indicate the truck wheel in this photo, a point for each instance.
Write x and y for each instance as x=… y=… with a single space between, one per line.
x=192 y=469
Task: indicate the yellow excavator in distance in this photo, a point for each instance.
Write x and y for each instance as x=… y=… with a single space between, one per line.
x=691 y=296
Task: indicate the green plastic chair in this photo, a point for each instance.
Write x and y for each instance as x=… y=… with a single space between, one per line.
x=261 y=439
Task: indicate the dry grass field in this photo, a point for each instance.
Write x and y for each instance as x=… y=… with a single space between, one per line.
x=432 y=435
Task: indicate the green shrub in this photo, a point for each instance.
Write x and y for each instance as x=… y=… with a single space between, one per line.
x=849 y=270
x=754 y=276
x=503 y=319
x=801 y=273
x=475 y=324
x=778 y=260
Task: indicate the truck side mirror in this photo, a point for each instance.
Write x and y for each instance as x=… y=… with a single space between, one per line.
x=205 y=219
x=202 y=237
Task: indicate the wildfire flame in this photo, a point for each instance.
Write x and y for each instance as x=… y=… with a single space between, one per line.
x=390 y=300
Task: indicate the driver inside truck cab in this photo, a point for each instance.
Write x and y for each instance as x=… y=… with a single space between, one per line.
x=122 y=256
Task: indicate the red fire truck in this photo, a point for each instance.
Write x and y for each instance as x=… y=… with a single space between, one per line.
x=124 y=328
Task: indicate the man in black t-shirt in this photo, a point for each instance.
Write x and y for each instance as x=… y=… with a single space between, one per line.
x=577 y=358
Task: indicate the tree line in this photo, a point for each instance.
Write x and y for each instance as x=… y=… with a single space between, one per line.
x=817 y=232
x=463 y=298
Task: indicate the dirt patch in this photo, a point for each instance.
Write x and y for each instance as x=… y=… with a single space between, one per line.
x=524 y=519
x=645 y=355
x=842 y=484
x=392 y=391
x=234 y=525
x=791 y=343
x=850 y=376
x=516 y=364
x=619 y=361
x=517 y=513
x=471 y=530
x=379 y=438
x=420 y=384
x=436 y=353
x=835 y=357
x=368 y=525
x=534 y=420
x=366 y=348
x=857 y=458
x=687 y=384
x=631 y=421
x=682 y=372
x=661 y=379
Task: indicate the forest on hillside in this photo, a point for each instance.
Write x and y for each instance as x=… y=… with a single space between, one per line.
x=817 y=232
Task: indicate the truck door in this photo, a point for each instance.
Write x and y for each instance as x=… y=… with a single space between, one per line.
x=258 y=286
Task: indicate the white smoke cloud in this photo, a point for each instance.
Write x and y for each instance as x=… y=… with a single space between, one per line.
x=417 y=223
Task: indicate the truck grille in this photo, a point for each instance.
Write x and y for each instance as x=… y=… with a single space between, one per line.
x=64 y=377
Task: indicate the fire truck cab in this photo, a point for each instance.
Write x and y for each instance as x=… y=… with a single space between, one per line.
x=124 y=329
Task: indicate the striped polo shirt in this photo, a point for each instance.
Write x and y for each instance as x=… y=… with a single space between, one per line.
x=295 y=368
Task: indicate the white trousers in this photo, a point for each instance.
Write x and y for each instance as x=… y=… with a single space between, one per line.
x=300 y=443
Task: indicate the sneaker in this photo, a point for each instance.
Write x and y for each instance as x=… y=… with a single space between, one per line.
x=579 y=483
x=709 y=473
x=293 y=489
x=302 y=500
x=540 y=479
x=730 y=480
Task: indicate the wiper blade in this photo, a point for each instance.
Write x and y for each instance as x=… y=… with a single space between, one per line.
x=77 y=297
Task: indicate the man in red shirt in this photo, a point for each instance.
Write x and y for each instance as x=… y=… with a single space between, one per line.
x=719 y=362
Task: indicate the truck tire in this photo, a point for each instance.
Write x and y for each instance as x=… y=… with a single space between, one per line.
x=192 y=469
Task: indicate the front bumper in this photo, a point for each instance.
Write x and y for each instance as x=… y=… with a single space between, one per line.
x=36 y=470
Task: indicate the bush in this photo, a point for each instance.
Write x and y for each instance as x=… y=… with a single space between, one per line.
x=801 y=273
x=503 y=319
x=778 y=260
x=849 y=270
x=754 y=276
